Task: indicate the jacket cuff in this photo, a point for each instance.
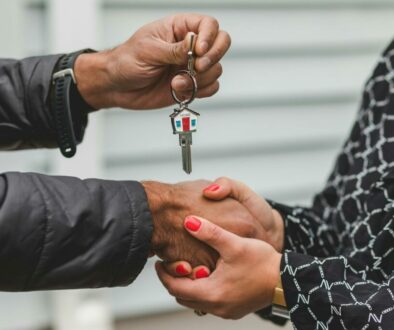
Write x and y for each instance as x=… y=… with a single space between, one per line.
x=141 y=234
x=284 y=211
x=39 y=71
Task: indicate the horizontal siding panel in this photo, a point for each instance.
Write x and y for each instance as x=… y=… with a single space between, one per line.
x=277 y=78
x=226 y=131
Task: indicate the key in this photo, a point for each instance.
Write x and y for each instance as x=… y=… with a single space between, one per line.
x=185 y=141
x=183 y=119
x=184 y=123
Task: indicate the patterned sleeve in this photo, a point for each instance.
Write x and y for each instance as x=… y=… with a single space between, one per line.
x=353 y=290
x=338 y=265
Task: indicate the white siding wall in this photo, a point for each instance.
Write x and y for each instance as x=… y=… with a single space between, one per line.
x=290 y=91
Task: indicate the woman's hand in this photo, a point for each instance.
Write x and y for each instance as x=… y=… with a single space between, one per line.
x=270 y=219
x=243 y=282
x=138 y=73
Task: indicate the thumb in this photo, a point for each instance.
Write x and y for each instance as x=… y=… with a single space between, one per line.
x=225 y=187
x=218 y=238
x=176 y=53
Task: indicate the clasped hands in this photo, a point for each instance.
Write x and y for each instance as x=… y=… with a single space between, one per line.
x=220 y=244
x=199 y=228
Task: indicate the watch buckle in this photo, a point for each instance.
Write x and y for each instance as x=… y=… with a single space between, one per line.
x=63 y=74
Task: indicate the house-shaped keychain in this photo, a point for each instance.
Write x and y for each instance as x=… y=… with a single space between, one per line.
x=184 y=121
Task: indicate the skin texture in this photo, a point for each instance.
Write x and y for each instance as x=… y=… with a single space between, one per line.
x=138 y=73
x=170 y=204
x=243 y=282
x=269 y=218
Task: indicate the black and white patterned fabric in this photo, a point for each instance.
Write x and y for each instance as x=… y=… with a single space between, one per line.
x=338 y=265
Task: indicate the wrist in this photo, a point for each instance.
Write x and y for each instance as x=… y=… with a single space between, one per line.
x=93 y=83
x=159 y=200
x=276 y=282
x=279 y=230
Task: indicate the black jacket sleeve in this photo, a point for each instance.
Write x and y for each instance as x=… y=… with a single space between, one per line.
x=64 y=233
x=26 y=120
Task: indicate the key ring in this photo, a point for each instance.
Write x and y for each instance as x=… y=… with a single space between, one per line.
x=194 y=90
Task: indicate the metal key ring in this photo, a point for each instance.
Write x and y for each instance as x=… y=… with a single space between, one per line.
x=194 y=91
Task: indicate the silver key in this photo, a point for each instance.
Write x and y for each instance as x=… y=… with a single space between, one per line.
x=185 y=141
x=184 y=120
x=184 y=123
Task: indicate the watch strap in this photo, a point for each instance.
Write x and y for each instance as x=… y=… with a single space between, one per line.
x=69 y=108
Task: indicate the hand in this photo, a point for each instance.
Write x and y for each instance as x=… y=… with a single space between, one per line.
x=170 y=204
x=138 y=73
x=244 y=279
x=269 y=218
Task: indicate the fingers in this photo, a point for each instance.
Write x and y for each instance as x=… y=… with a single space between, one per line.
x=205 y=92
x=209 y=91
x=225 y=187
x=218 y=238
x=183 y=83
x=219 y=48
x=208 y=29
x=173 y=53
x=200 y=272
x=178 y=268
x=180 y=287
x=219 y=190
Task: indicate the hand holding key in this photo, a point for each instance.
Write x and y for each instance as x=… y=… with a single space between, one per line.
x=137 y=73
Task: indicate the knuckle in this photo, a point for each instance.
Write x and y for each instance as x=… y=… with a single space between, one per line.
x=215 y=233
x=217 y=53
x=214 y=22
x=224 y=180
x=238 y=250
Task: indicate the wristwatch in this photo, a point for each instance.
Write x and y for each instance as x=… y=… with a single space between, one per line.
x=68 y=107
x=279 y=306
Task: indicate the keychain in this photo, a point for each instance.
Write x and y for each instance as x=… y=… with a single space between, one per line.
x=184 y=120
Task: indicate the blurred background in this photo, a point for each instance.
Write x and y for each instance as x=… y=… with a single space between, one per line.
x=290 y=90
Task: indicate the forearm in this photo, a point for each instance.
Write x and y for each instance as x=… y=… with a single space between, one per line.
x=25 y=115
x=64 y=233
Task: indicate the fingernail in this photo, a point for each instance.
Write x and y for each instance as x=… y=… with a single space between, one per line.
x=205 y=63
x=192 y=223
x=201 y=273
x=181 y=270
x=204 y=47
x=212 y=187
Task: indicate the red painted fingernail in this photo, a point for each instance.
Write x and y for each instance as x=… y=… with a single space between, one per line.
x=212 y=187
x=181 y=270
x=192 y=223
x=201 y=273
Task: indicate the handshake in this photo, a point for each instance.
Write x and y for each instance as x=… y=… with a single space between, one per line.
x=172 y=204
x=200 y=226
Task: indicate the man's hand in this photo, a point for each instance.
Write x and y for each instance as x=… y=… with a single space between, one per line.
x=138 y=73
x=170 y=204
x=243 y=281
x=268 y=217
